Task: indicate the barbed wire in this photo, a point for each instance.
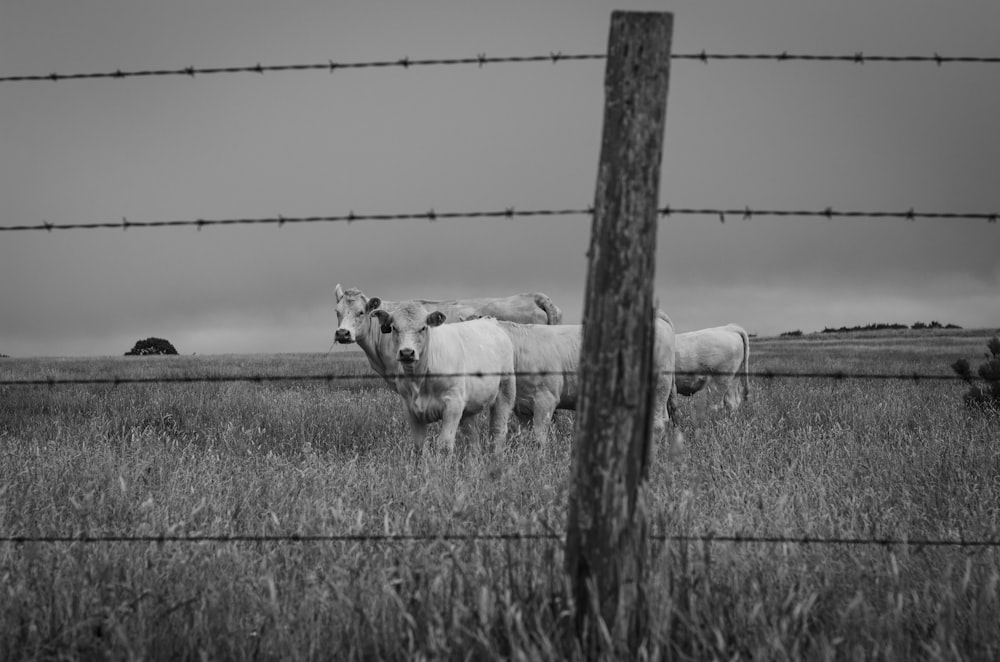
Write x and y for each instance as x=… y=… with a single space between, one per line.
x=188 y=379
x=329 y=66
x=707 y=538
x=746 y=213
x=481 y=59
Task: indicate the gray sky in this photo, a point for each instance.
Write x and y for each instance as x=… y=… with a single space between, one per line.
x=766 y=135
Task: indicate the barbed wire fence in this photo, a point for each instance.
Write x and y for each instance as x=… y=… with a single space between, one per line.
x=481 y=60
x=746 y=214
x=558 y=537
x=331 y=378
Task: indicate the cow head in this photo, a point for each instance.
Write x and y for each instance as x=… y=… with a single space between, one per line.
x=408 y=326
x=353 y=308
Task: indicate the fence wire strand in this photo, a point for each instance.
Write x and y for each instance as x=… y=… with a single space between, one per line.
x=837 y=375
x=707 y=538
x=722 y=214
x=481 y=59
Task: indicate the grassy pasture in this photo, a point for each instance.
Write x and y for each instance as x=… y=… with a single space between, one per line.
x=805 y=457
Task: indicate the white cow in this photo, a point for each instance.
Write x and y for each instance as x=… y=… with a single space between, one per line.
x=449 y=373
x=710 y=359
x=355 y=325
x=525 y=308
x=546 y=361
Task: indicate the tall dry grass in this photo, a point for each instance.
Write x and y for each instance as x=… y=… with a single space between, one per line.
x=823 y=458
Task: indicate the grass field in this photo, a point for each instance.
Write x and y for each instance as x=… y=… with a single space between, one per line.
x=842 y=458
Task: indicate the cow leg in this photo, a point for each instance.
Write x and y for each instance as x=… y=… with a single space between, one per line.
x=501 y=409
x=418 y=432
x=450 y=420
x=545 y=407
x=660 y=414
x=712 y=395
x=733 y=397
x=673 y=409
x=469 y=428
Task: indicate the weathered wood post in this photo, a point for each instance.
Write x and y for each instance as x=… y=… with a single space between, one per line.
x=606 y=537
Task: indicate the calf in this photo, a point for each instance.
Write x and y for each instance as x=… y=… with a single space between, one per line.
x=449 y=373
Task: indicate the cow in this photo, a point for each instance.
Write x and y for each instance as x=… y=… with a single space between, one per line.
x=525 y=308
x=546 y=361
x=355 y=326
x=449 y=373
x=710 y=359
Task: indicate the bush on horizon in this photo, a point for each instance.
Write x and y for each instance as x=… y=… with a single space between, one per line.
x=151 y=346
x=985 y=395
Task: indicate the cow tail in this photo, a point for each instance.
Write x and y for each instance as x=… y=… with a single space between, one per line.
x=552 y=312
x=746 y=365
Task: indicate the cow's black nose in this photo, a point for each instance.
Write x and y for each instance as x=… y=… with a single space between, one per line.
x=406 y=354
x=342 y=336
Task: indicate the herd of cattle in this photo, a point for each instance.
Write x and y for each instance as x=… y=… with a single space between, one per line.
x=449 y=360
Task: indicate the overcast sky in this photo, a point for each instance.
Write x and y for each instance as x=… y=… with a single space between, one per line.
x=769 y=135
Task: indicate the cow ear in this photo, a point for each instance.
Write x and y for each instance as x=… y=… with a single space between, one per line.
x=372 y=304
x=339 y=291
x=436 y=318
x=384 y=320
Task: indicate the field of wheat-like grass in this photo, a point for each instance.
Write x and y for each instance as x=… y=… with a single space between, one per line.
x=459 y=556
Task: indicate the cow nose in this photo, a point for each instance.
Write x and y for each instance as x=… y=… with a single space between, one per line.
x=406 y=354
x=342 y=336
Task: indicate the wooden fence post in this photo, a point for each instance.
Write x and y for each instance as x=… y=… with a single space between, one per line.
x=606 y=536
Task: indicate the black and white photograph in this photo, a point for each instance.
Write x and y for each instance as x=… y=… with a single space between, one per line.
x=566 y=329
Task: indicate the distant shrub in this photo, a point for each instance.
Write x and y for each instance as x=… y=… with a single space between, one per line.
x=151 y=346
x=934 y=325
x=881 y=326
x=985 y=395
x=877 y=326
x=790 y=334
